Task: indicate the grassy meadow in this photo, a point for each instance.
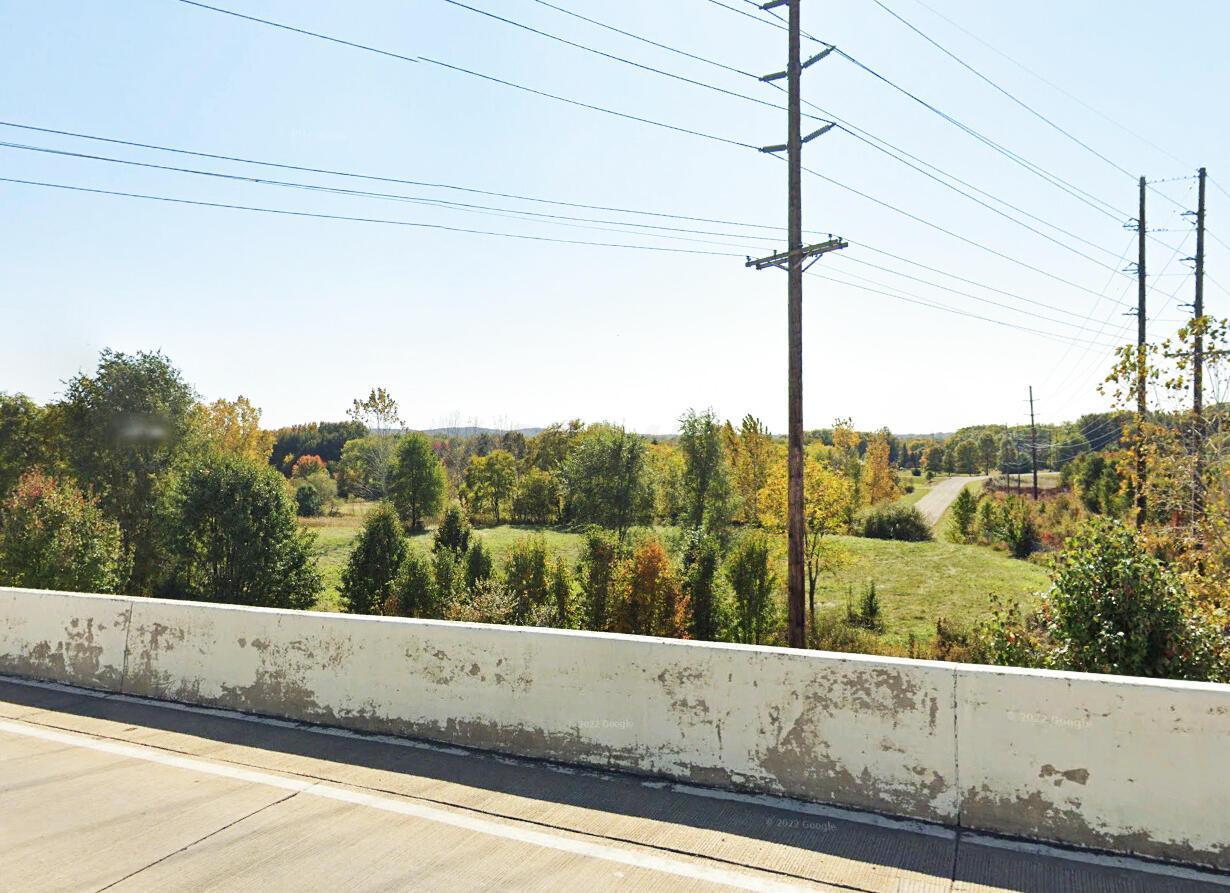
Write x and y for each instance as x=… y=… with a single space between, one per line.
x=917 y=582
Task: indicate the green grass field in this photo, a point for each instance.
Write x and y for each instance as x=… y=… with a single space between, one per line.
x=917 y=582
x=920 y=582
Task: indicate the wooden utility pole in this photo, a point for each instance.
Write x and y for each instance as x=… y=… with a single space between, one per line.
x=1198 y=364
x=793 y=259
x=1033 y=440
x=1141 y=319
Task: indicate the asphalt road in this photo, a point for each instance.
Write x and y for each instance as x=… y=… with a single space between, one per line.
x=938 y=498
x=102 y=792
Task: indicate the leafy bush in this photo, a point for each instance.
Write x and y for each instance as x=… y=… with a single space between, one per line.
x=1114 y=608
x=1017 y=528
x=370 y=576
x=648 y=598
x=235 y=540
x=53 y=537
x=308 y=503
x=596 y=571
x=525 y=573
x=894 y=521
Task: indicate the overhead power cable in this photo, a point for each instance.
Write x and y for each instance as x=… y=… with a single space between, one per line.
x=1018 y=101
x=902 y=296
x=376 y=178
x=1025 y=264
x=303 y=31
x=877 y=143
x=614 y=58
x=319 y=216
x=556 y=219
x=1049 y=83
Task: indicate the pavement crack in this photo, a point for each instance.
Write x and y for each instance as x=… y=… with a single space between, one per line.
x=188 y=846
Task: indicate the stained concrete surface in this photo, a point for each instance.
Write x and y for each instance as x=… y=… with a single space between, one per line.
x=100 y=792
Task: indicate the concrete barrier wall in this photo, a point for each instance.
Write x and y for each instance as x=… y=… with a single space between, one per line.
x=1124 y=765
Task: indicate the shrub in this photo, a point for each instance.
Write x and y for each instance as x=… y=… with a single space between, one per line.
x=648 y=598
x=525 y=573
x=867 y=615
x=596 y=571
x=964 y=510
x=702 y=558
x=479 y=566
x=1017 y=528
x=308 y=503
x=448 y=575
x=488 y=602
x=894 y=521
x=1114 y=608
x=453 y=533
x=749 y=570
x=370 y=576
x=235 y=538
x=53 y=537
x=416 y=588
x=1010 y=638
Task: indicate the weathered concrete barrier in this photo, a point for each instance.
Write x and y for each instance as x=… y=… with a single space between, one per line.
x=1125 y=765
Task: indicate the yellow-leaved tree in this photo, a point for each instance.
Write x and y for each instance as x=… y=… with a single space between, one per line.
x=878 y=480
x=828 y=503
x=233 y=427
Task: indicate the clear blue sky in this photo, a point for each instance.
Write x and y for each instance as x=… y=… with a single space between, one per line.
x=301 y=315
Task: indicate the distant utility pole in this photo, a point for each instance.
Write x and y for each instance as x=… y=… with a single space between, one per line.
x=1033 y=440
x=794 y=256
x=1141 y=319
x=1198 y=363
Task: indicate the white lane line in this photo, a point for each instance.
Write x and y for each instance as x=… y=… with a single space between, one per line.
x=634 y=859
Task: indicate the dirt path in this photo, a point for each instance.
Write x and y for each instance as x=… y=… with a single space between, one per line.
x=940 y=496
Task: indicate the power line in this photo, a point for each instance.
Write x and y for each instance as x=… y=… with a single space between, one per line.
x=1049 y=83
x=1034 y=314
x=303 y=31
x=1076 y=192
x=377 y=220
x=1000 y=89
x=904 y=296
x=949 y=232
x=383 y=179
x=557 y=219
x=615 y=58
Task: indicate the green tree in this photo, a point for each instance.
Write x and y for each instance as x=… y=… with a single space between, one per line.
x=749 y=569
x=702 y=558
x=366 y=466
x=416 y=588
x=235 y=539
x=378 y=411
x=25 y=442
x=418 y=481
x=490 y=480
x=526 y=575
x=706 y=476
x=596 y=571
x=538 y=499
x=53 y=537
x=370 y=576
x=124 y=428
x=479 y=566
x=964 y=510
x=988 y=451
x=607 y=479
x=454 y=532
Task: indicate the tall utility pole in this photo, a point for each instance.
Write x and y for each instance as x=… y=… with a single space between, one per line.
x=1033 y=440
x=1198 y=364
x=1141 y=319
x=793 y=258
